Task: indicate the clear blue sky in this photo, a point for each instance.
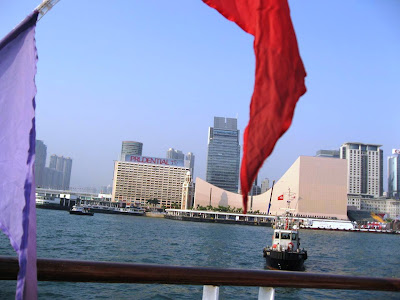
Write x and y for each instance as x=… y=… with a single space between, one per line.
x=159 y=71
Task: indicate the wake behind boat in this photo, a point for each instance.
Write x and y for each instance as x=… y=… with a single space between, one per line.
x=80 y=210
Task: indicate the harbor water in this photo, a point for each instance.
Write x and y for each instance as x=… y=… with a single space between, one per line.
x=119 y=238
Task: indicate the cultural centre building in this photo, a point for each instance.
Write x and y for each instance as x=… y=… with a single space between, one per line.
x=315 y=186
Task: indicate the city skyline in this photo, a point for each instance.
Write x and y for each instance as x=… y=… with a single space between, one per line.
x=161 y=83
x=58 y=173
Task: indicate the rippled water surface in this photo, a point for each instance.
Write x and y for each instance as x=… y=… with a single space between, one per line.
x=161 y=241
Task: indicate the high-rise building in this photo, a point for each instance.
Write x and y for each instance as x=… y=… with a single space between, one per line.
x=53 y=161
x=67 y=168
x=175 y=154
x=40 y=162
x=106 y=189
x=394 y=174
x=256 y=189
x=188 y=159
x=142 y=178
x=52 y=179
x=189 y=162
x=64 y=166
x=328 y=153
x=364 y=168
x=264 y=185
x=223 y=157
x=131 y=148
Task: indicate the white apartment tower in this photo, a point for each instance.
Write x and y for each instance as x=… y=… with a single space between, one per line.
x=264 y=185
x=189 y=162
x=175 y=154
x=364 y=168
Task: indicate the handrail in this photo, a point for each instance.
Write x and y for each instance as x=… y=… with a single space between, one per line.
x=107 y=272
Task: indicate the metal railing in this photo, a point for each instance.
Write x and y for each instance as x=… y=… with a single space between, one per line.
x=108 y=272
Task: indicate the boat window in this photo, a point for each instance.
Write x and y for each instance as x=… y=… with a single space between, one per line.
x=285 y=236
x=294 y=236
x=277 y=235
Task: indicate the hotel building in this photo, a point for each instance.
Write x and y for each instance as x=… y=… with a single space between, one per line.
x=223 y=155
x=364 y=168
x=141 y=178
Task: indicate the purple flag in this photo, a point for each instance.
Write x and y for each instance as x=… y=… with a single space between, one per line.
x=18 y=59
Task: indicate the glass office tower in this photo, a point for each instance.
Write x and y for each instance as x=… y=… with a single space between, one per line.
x=131 y=148
x=223 y=157
x=394 y=174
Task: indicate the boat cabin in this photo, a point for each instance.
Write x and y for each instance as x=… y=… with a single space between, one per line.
x=286 y=240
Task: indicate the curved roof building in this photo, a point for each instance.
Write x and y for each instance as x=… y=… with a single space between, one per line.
x=318 y=188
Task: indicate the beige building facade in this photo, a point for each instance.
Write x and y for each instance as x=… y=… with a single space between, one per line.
x=316 y=186
x=137 y=182
x=389 y=207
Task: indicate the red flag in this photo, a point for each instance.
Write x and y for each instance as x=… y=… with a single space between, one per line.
x=280 y=197
x=279 y=78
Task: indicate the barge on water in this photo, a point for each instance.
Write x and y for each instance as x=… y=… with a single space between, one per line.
x=218 y=217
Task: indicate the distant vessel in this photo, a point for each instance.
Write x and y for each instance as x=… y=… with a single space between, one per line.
x=285 y=252
x=79 y=210
x=131 y=211
x=155 y=214
x=319 y=224
x=42 y=200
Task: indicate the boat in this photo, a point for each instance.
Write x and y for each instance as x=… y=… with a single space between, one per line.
x=103 y=209
x=132 y=211
x=155 y=214
x=79 y=210
x=285 y=252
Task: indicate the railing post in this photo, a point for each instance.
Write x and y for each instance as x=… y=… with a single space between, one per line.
x=210 y=292
x=266 y=293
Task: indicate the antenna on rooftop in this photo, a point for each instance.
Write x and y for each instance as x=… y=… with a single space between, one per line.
x=45 y=6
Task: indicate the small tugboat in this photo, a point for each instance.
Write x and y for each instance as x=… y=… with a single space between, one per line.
x=79 y=210
x=285 y=252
